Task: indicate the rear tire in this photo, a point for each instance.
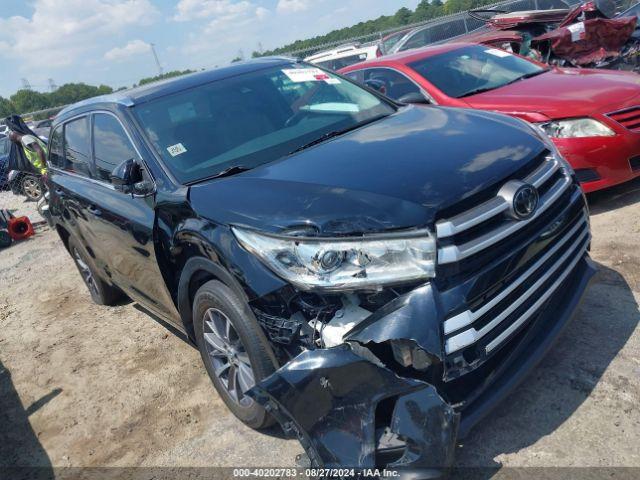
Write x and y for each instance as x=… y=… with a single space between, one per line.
x=234 y=349
x=101 y=292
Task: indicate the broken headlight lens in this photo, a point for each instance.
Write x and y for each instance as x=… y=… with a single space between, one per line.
x=345 y=263
x=576 y=128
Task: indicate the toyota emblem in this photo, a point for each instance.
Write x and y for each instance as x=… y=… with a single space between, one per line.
x=522 y=199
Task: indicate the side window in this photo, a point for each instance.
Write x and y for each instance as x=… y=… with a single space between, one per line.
x=343 y=62
x=419 y=39
x=56 y=153
x=111 y=146
x=4 y=145
x=77 y=146
x=389 y=82
x=355 y=76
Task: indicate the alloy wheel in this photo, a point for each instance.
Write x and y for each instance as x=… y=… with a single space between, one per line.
x=31 y=188
x=228 y=356
x=85 y=271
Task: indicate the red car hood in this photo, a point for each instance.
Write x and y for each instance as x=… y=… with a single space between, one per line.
x=562 y=93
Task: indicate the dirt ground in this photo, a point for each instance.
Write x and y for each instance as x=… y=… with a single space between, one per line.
x=84 y=385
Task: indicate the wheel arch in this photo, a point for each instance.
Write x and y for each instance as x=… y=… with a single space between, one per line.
x=196 y=272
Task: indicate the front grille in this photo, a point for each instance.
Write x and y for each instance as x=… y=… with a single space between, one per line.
x=548 y=271
x=487 y=221
x=629 y=118
x=485 y=237
x=634 y=163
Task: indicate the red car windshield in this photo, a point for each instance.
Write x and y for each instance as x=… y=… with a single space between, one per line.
x=474 y=69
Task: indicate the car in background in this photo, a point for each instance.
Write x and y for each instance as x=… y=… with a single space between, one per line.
x=5 y=146
x=592 y=116
x=344 y=56
x=448 y=29
x=388 y=42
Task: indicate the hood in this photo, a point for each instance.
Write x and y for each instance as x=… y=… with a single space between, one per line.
x=393 y=174
x=562 y=93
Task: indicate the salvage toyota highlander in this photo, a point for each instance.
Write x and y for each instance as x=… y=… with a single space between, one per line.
x=373 y=276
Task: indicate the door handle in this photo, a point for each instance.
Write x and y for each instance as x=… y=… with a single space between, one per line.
x=94 y=211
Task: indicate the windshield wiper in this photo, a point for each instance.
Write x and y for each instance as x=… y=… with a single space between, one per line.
x=476 y=90
x=227 y=172
x=521 y=77
x=335 y=133
x=323 y=138
x=528 y=75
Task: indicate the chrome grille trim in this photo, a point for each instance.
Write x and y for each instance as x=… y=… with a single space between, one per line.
x=468 y=317
x=495 y=206
x=534 y=308
x=455 y=253
x=470 y=336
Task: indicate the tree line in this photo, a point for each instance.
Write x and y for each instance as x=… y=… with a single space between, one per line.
x=426 y=10
x=26 y=101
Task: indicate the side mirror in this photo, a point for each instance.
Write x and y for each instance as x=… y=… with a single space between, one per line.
x=414 y=97
x=126 y=175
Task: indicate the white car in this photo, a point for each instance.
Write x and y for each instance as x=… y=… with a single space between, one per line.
x=344 y=56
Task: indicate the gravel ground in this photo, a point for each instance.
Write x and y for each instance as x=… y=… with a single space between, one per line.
x=89 y=386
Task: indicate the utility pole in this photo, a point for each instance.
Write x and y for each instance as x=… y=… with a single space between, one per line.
x=155 y=56
x=25 y=84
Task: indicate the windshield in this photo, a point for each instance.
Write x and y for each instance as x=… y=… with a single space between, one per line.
x=474 y=69
x=253 y=119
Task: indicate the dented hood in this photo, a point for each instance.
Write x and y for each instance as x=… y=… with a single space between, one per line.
x=396 y=173
x=562 y=93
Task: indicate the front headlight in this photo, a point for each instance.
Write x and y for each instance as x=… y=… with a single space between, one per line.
x=576 y=128
x=344 y=263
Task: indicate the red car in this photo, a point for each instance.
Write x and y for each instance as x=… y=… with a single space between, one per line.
x=593 y=116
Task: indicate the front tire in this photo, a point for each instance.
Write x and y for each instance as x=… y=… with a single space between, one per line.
x=234 y=349
x=101 y=292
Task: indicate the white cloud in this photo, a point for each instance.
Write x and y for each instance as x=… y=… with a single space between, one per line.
x=195 y=9
x=291 y=6
x=131 y=49
x=262 y=13
x=228 y=24
x=59 y=31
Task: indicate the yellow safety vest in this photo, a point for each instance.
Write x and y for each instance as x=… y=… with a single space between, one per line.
x=34 y=157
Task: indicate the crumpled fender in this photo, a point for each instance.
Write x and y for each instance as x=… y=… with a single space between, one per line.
x=328 y=399
x=404 y=319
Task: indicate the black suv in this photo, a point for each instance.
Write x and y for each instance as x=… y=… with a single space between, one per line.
x=373 y=276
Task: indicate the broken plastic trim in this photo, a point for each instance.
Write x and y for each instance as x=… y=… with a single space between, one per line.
x=327 y=398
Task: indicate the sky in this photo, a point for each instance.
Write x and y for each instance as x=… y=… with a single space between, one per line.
x=109 y=41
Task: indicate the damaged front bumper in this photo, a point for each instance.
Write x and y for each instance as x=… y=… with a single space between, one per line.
x=363 y=405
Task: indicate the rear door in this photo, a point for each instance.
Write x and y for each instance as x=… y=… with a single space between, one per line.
x=122 y=225
x=70 y=178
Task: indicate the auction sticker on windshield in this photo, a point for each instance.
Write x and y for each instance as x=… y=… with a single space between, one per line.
x=177 y=149
x=497 y=52
x=300 y=75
